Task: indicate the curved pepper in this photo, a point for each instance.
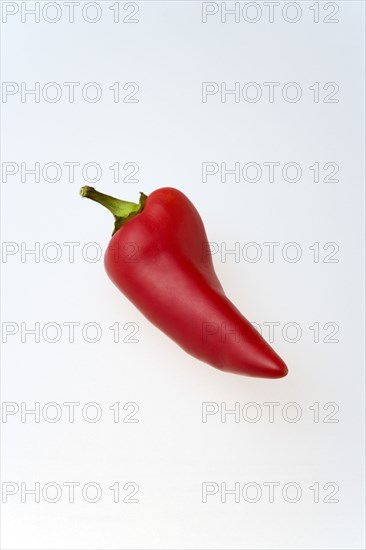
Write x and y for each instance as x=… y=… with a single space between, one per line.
x=160 y=259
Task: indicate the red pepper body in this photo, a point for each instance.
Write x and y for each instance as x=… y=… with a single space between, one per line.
x=160 y=260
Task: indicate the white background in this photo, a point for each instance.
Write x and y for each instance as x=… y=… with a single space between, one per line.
x=170 y=452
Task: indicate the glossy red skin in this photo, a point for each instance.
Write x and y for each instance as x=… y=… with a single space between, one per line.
x=159 y=259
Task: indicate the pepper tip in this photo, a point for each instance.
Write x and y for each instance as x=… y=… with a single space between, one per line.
x=281 y=370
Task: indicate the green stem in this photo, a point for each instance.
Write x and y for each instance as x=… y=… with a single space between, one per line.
x=121 y=210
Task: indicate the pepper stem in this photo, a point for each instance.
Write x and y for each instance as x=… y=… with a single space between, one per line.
x=121 y=210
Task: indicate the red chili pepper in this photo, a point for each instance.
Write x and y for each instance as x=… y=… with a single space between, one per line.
x=160 y=259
